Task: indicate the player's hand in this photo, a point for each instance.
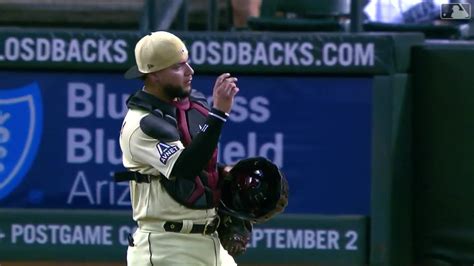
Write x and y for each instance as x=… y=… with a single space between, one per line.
x=225 y=89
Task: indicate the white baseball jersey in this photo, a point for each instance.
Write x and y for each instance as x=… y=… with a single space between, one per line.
x=147 y=155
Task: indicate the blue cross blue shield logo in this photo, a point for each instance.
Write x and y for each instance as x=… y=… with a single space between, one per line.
x=21 y=123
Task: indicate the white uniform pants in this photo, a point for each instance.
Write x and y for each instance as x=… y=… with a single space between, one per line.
x=169 y=248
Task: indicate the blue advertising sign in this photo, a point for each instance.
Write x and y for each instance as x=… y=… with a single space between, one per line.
x=59 y=138
x=20 y=136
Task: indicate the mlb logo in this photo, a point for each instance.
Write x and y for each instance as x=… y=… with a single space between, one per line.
x=457 y=11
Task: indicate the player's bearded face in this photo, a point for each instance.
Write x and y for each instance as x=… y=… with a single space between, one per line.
x=175 y=80
x=173 y=91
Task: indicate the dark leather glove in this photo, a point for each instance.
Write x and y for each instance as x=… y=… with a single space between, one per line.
x=234 y=234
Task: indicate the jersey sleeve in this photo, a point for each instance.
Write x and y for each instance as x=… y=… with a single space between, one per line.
x=158 y=154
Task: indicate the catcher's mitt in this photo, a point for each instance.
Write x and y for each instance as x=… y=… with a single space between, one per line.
x=234 y=234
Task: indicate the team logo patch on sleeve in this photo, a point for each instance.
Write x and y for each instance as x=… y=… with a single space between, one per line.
x=166 y=151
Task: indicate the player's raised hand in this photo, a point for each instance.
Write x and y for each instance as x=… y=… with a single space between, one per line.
x=225 y=89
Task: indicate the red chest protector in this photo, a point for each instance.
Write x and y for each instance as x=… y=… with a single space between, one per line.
x=190 y=115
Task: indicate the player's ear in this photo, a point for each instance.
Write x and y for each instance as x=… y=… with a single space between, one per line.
x=154 y=77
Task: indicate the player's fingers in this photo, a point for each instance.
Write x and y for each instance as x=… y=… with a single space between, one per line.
x=233 y=91
x=221 y=78
x=225 y=86
x=229 y=87
x=230 y=82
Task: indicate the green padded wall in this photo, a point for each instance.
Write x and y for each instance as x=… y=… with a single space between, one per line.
x=391 y=219
x=443 y=144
